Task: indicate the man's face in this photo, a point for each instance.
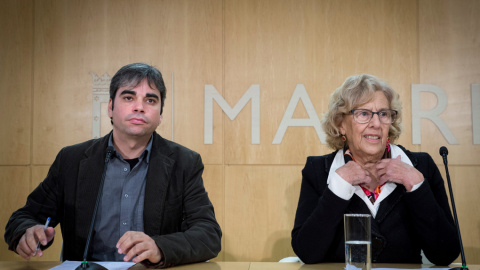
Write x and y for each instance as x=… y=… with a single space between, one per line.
x=136 y=112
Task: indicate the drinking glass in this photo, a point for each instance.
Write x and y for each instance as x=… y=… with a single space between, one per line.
x=358 y=253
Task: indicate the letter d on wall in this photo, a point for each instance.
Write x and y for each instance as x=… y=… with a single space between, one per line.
x=433 y=115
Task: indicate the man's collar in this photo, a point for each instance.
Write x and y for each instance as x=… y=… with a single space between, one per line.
x=146 y=153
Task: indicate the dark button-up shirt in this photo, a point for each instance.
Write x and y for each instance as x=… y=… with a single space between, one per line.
x=121 y=206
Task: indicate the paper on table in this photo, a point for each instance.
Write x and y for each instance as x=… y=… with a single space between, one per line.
x=410 y=269
x=69 y=265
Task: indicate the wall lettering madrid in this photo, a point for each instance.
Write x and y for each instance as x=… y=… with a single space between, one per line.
x=100 y=88
x=300 y=93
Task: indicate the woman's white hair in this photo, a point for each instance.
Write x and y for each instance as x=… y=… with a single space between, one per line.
x=354 y=92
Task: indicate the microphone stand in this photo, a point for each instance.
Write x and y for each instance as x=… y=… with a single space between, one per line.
x=444 y=153
x=85 y=264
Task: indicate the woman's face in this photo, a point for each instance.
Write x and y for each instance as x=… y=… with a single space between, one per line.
x=367 y=141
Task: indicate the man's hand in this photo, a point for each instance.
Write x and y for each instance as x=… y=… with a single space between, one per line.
x=28 y=243
x=141 y=245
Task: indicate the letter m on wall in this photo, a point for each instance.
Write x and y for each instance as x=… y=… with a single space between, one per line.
x=211 y=94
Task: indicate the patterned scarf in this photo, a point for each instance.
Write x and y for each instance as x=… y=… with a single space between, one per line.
x=371 y=195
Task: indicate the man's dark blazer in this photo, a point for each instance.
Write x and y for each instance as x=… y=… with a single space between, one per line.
x=405 y=224
x=178 y=214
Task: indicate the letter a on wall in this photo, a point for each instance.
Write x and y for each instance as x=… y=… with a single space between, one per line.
x=300 y=93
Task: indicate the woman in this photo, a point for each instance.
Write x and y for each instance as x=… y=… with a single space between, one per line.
x=402 y=190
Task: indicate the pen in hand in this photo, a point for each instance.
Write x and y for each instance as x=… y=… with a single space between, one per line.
x=44 y=228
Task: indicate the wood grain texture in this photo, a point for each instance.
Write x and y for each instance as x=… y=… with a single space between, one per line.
x=260 y=204
x=16 y=48
x=183 y=44
x=49 y=48
x=449 y=38
x=465 y=188
x=213 y=178
x=279 y=44
x=15 y=185
x=16 y=182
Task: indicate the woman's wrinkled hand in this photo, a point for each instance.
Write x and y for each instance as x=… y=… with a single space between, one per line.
x=397 y=171
x=354 y=173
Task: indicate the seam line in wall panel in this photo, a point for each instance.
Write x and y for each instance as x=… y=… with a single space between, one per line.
x=32 y=97
x=223 y=125
x=173 y=107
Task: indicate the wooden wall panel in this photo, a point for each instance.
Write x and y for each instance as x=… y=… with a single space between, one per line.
x=64 y=59
x=279 y=44
x=62 y=83
x=465 y=187
x=213 y=178
x=192 y=38
x=15 y=186
x=260 y=204
x=401 y=58
x=117 y=33
x=15 y=81
x=17 y=182
x=49 y=48
x=449 y=34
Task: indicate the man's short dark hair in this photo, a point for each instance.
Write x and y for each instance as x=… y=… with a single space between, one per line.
x=133 y=74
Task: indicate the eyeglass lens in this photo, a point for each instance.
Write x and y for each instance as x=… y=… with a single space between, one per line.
x=364 y=116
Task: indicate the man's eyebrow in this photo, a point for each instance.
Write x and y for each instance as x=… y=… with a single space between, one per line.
x=131 y=92
x=127 y=92
x=150 y=95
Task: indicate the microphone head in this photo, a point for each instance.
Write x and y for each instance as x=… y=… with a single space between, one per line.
x=109 y=153
x=443 y=151
x=110 y=149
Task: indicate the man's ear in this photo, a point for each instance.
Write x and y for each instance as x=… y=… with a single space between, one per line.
x=160 y=120
x=110 y=108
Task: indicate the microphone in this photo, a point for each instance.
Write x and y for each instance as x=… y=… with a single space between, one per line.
x=85 y=264
x=444 y=153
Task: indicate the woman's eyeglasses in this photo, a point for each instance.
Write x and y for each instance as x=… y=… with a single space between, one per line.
x=363 y=116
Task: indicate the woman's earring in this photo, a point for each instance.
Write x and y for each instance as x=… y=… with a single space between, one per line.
x=344 y=138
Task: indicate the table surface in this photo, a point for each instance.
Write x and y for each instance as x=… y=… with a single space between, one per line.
x=41 y=265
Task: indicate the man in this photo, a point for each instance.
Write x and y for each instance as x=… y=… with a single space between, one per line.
x=154 y=208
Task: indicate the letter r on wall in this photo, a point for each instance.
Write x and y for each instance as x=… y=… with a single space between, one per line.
x=475 y=88
x=433 y=115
